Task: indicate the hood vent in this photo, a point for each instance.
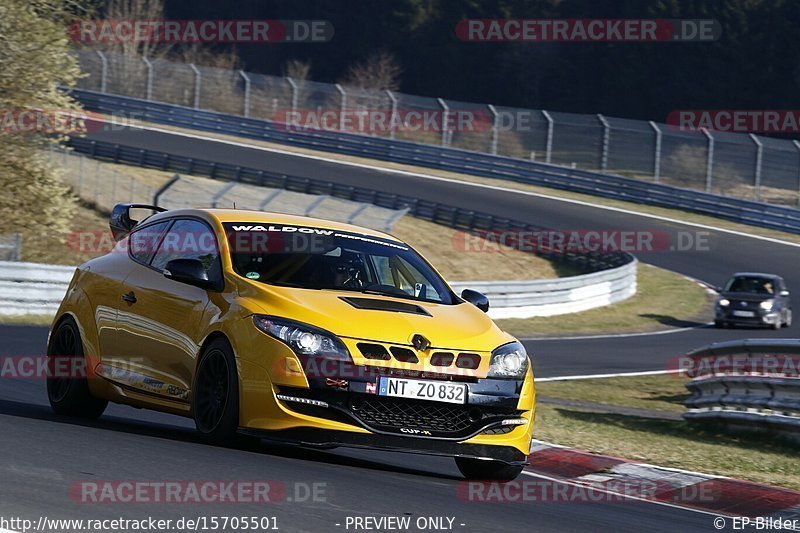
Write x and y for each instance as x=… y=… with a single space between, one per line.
x=374 y=304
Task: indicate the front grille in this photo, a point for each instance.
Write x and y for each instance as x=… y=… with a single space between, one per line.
x=373 y=351
x=502 y=430
x=394 y=413
x=404 y=355
x=468 y=360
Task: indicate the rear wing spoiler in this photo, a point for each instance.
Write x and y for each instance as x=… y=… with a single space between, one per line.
x=121 y=222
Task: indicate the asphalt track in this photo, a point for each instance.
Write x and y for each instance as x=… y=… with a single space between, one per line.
x=45 y=455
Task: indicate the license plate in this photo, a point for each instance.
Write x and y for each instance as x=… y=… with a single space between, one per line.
x=420 y=389
x=744 y=313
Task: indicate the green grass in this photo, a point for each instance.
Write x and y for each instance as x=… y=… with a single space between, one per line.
x=671 y=443
x=663 y=300
x=661 y=393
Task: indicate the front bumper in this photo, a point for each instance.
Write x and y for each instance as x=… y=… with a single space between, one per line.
x=496 y=422
x=760 y=316
x=323 y=438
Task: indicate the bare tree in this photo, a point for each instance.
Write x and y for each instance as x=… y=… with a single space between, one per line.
x=379 y=71
x=297 y=70
x=117 y=10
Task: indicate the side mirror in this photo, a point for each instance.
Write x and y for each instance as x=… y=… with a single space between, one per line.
x=189 y=271
x=783 y=293
x=476 y=298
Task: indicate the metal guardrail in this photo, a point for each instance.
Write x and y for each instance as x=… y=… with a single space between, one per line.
x=753 y=391
x=524 y=299
x=32 y=288
x=454 y=160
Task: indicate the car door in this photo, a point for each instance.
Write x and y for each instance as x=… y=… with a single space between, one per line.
x=160 y=324
x=106 y=286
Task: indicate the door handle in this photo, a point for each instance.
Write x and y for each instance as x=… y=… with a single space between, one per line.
x=130 y=297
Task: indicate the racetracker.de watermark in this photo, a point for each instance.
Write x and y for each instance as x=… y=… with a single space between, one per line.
x=201 y=31
x=588 y=30
x=694 y=366
x=196 y=492
x=736 y=120
x=58 y=366
x=526 y=490
x=580 y=241
x=47 y=121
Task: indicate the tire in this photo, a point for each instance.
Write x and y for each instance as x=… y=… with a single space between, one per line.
x=216 y=394
x=719 y=324
x=487 y=469
x=70 y=395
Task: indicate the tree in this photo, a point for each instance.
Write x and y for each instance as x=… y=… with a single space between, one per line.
x=379 y=71
x=34 y=60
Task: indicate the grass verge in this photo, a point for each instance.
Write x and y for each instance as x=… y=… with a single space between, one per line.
x=670 y=443
x=663 y=300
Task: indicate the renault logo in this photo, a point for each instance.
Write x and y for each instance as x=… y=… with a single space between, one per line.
x=420 y=342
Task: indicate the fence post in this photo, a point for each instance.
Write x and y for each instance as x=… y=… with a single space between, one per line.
x=294 y=87
x=246 y=79
x=548 y=153
x=342 y=105
x=797 y=145
x=17 y=247
x=657 y=154
x=196 y=85
x=445 y=112
x=103 y=71
x=393 y=124
x=495 y=128
x=149 y=86
x=80 y=166
x=709 y=159
x=759 y=159
x=606 y=141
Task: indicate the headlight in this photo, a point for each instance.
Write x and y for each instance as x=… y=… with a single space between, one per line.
x=724 y=302
x=509 y=361
x=302 y=338
x=766 y=305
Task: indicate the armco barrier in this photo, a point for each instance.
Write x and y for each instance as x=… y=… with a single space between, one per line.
x=524 y=299
x=30 y=288
x=455 y=160
x=751 y=388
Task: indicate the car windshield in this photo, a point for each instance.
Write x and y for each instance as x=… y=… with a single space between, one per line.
x=751 y=284
x=317 y=258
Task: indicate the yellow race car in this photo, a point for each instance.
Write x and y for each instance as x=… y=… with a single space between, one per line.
x=293 y=329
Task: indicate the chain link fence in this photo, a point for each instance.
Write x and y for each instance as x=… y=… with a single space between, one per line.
x=94 y=182
x=736 y=165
